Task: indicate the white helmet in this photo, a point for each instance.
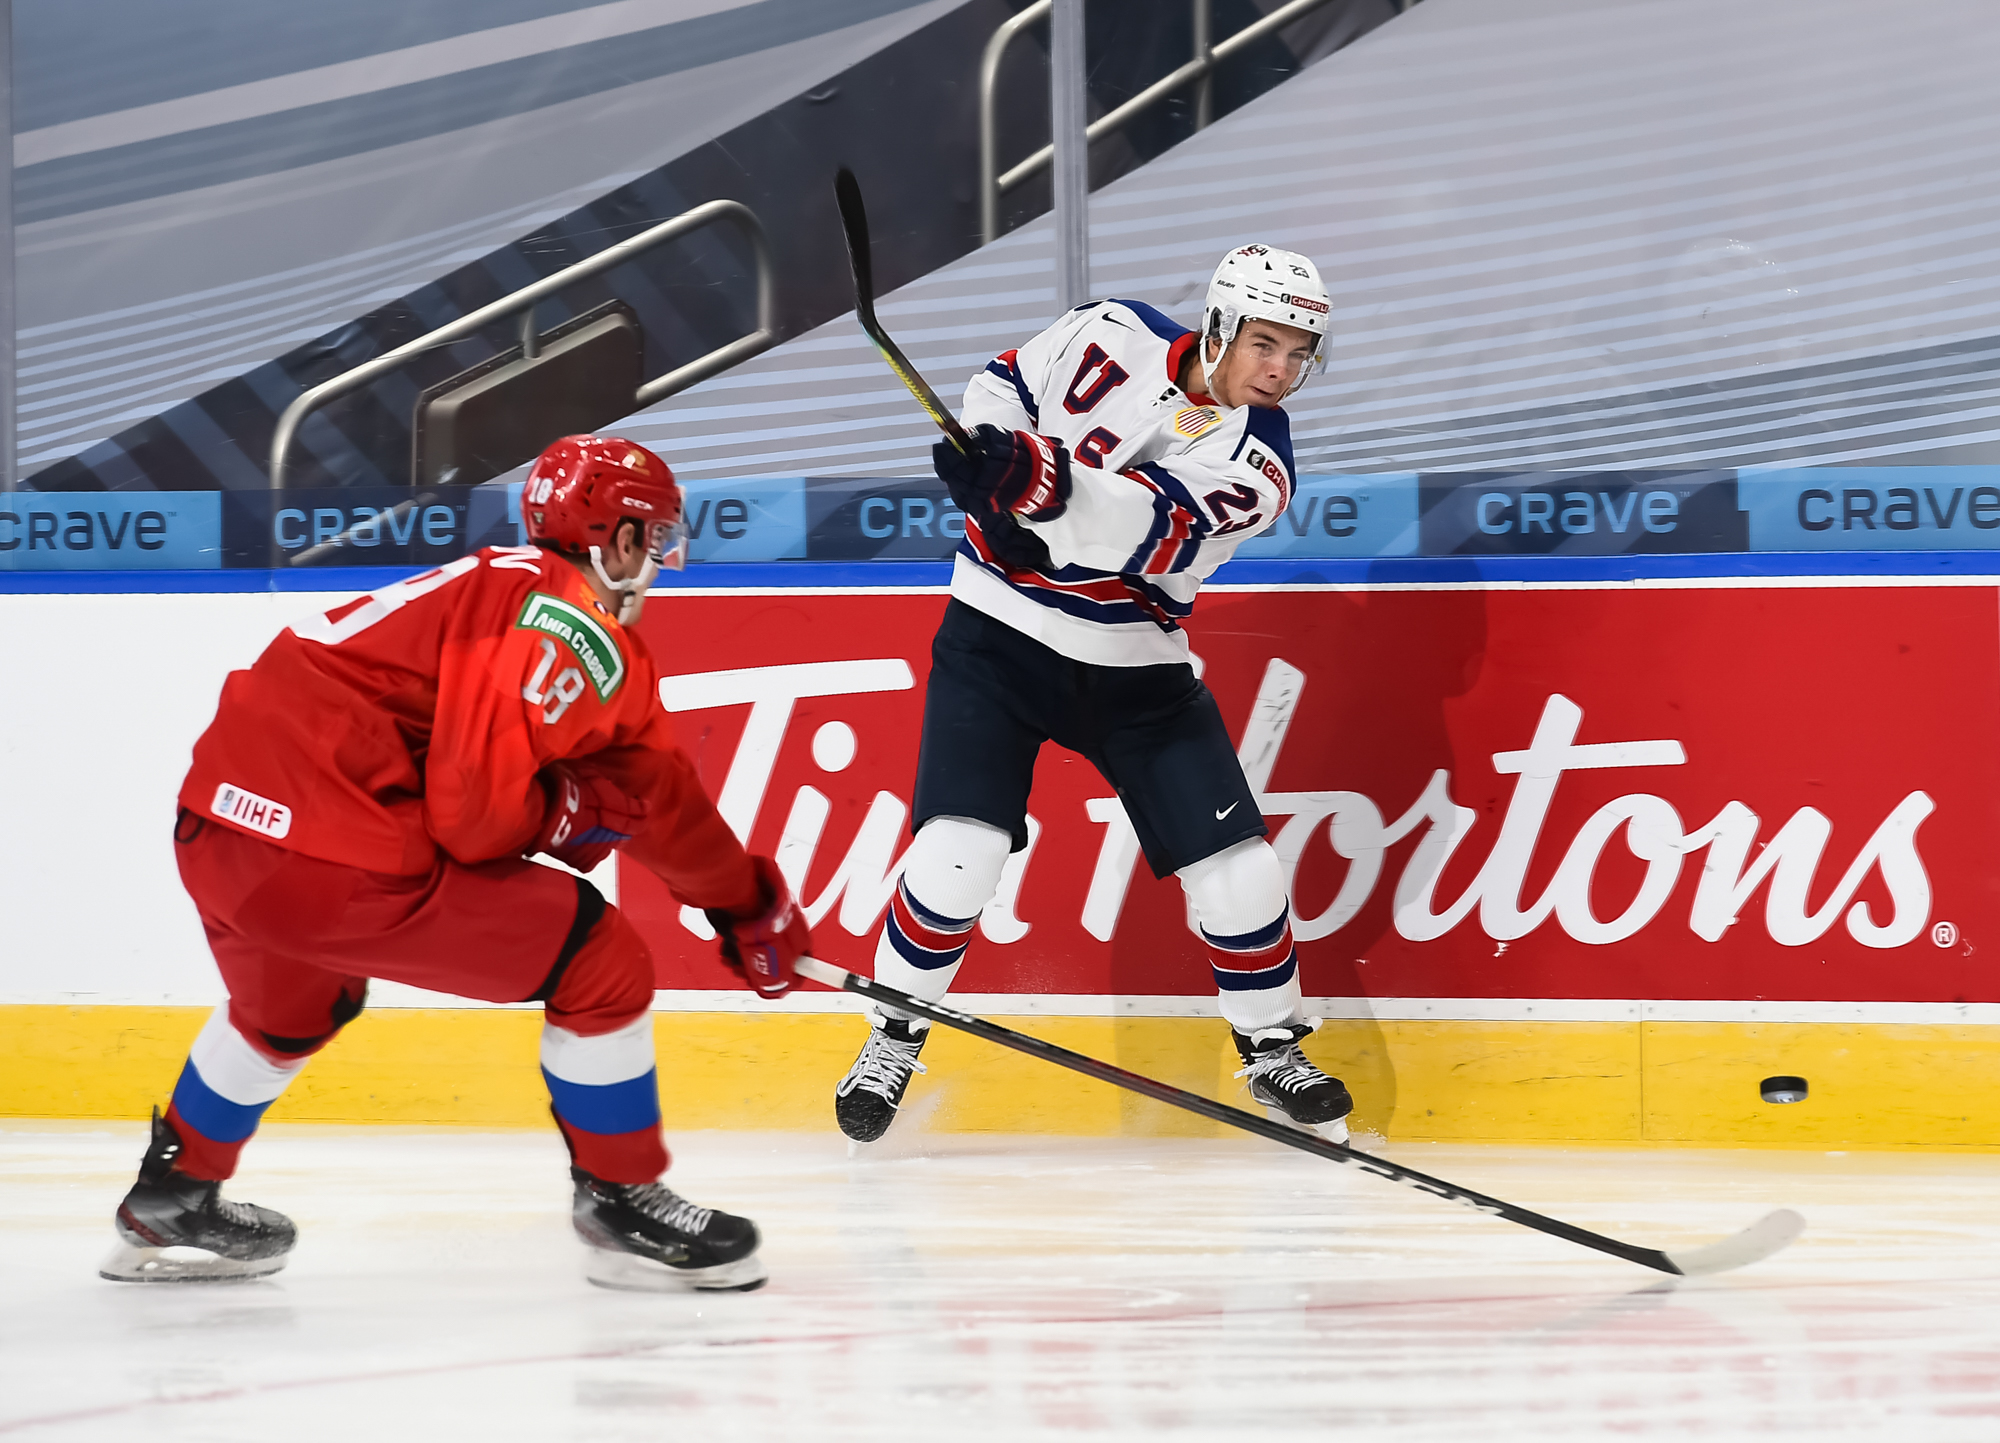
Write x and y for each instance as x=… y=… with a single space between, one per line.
x=1268 y=284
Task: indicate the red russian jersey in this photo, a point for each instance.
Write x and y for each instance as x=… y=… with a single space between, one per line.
x=416 y=719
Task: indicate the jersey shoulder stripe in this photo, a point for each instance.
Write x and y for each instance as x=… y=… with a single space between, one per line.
x=1270 y=425
x=1007 y=366
x=1169 y=486
x=1174 y=539
x=1159 y=323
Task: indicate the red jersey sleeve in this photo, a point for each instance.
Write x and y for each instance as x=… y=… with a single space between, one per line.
x=686 y=843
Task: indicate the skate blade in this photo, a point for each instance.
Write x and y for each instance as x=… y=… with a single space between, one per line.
x=1335 y=1131
x=127 y=1263
x=628 y=1273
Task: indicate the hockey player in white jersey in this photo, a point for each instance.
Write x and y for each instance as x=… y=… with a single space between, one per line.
x=1120 y=460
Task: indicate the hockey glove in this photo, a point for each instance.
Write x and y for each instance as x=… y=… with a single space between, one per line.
x=1015 y=473
x=763 y=948
x=587 y=818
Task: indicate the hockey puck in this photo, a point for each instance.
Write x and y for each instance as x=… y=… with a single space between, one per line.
x=1783 y=1089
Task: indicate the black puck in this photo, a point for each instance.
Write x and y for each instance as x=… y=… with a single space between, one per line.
x=1783 y=1089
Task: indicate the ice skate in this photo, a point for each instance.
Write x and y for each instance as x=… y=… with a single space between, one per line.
x=645 y=1237
x=866 y=1100
x=173 y=1228
x=1291 y=1089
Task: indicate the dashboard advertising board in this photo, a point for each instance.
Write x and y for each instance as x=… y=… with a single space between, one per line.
x=1782 y=791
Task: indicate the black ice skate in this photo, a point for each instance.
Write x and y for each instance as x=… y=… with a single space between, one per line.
x=645 y=1237
x=173 y=1228
x=1291 y=1089
x=866 y=1100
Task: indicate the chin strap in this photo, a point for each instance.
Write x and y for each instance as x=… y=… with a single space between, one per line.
x=633 y=590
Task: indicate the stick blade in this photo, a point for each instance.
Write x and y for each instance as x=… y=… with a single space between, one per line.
x=854 y=227
x=1755 y=1243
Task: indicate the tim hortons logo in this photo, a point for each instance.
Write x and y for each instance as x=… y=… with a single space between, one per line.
x=1786 y=866
x=1654 y=833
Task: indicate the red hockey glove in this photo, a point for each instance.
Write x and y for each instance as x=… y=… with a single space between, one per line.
x=587 y=817
x=1018 y=473
x=763 y=948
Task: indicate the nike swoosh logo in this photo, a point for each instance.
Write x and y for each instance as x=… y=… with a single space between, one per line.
x=1227 y=810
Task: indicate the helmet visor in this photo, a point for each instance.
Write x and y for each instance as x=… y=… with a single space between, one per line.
x=667 y=543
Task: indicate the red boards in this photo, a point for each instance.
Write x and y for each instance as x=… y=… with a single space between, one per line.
x=1703 y=790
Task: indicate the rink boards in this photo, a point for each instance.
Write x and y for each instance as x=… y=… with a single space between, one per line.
x=1571 y=861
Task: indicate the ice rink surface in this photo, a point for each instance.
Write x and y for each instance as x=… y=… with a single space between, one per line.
x=951 y=1288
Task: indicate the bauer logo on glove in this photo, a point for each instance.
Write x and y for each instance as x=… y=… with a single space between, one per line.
x=1015 y=473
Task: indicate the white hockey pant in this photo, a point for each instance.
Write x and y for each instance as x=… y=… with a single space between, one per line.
x=953 y=870
x=1239 y=901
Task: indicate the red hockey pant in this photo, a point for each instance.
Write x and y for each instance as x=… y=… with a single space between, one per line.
x=297 y=940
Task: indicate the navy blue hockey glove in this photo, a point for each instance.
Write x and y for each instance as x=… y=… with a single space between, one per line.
x=1010 y=473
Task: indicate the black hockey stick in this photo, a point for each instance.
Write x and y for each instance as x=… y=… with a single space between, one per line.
x=854 y=224
x=1759 y=1240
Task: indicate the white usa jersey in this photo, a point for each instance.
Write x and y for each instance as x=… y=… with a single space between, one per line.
x=1165 y=486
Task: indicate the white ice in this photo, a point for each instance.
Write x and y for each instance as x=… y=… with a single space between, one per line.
x=956 y=1288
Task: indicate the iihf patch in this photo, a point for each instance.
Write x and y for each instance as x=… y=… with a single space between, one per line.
x=1195 y=420
x=250 y=811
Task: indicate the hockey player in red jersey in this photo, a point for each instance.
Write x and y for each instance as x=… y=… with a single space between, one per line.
x=1120 y=459
x=364 y=806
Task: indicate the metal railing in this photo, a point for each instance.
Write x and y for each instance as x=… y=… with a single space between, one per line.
x=525 y=301
x=994 y=183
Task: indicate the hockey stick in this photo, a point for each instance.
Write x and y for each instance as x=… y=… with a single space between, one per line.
x=1759 y=1240
x=854 y=225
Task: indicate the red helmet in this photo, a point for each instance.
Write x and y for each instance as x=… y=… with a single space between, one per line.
x=583 y=486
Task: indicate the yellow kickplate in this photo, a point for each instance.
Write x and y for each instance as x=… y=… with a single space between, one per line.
x=1871 y=1085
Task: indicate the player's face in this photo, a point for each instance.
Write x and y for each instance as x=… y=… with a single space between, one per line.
x=1260 y=367
x=625 y=557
